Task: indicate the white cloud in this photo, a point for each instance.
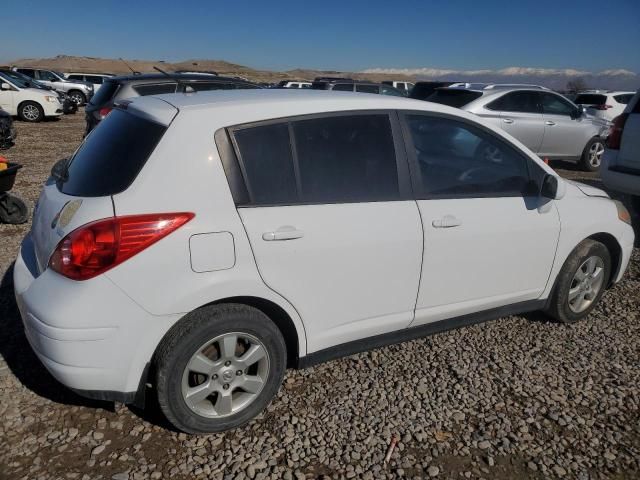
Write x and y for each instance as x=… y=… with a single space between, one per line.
x=511 y=71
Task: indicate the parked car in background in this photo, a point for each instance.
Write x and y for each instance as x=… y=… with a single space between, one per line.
x=402 y=86
x=95 y=79
x=621 y=161
x=349 y=85
x=607 y=105
x=294 y=84
x=19 y=98
x=80 y=92
x=68 y=106
x=201 y=244
x=421 y=90
x=547 y=123
x=115 y=89
x=8 y=132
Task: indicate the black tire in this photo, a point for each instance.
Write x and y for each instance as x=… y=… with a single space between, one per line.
x=559 y=307
x=77 y=97
x=184 y=340
x=30 y=112
x=13 y=210
x=586 y=162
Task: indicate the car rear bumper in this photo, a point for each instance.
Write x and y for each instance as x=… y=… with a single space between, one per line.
x=89 y=335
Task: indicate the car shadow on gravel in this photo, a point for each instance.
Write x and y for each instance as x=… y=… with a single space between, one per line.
x=21 y=360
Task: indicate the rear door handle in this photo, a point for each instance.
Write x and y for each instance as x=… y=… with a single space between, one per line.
x=507 y=120
x=549 y=122
x=448 y=221
x=283 y=233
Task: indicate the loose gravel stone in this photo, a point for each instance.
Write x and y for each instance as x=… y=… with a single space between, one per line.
x=518 y=397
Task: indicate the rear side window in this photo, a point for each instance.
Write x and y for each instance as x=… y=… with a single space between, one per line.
x=343 y=87
x=268 y=163
x=458 y=160
x=367 y=88
x=346 y=159
x=111 y=157
x=94 y=79
x=525 y=102
x=105 y=93
x=144 y=90
x=336 y=159
x=453 y=98
x=590 y=99
x=75 y=77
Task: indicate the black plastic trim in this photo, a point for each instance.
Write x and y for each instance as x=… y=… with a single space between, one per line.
x=399 y=336
x=136 y=398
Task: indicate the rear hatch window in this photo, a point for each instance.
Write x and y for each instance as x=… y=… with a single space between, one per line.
x=453 y=98
x=111 y=157
x=590 y=99
x=104 y=93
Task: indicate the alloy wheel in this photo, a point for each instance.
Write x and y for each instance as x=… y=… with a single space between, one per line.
x=30 y=112
x=586 y=284
x=595 y=154
x=225 y=375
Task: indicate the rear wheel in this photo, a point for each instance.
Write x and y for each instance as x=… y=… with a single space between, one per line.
x=30 y=112
x=581 y=282
x=13 y=209
x=592 y=155
x=77 y=97
x=219 y=367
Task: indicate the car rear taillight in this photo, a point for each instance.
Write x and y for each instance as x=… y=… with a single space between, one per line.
x=615 y=132
x=602 y=107
x=104 y=112
x=99 y=246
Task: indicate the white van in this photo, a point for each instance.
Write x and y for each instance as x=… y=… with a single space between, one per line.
x=29 y=104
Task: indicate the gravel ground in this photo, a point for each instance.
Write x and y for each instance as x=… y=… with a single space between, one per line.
x=518 y=397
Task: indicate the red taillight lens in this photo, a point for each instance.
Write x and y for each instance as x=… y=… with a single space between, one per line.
x=104 y=112
x=96 y=247
x=615 y=132
x=602 y=107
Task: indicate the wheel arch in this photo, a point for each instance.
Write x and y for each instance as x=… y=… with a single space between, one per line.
x=29 y=101
x=615 y=250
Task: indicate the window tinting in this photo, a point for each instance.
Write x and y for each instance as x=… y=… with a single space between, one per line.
x=367 y=88
x=28 y=71
x=590 y=99
x=458 y=160
x=343 y=87
x=556 y=105
x=525 y=102
x=346 y=159
x=75 y=77
x=144 y=90
x=47 y=76
x=624 y=99
x=94 y=79
x=266 y=156
x=453 y=98
x=111 y=157
x=206 y=86
x=105 y=93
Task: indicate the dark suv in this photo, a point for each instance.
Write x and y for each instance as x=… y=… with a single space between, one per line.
x=115 y=89
x=349 y=85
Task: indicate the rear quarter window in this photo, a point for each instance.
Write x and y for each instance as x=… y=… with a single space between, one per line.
x=453 y=98
x=111 y=157
x=145 y=90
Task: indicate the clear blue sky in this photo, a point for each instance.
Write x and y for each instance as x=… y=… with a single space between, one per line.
x=346 y=35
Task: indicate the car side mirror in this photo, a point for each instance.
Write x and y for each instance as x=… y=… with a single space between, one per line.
x=553 y=187
x=5 y=86
x=578 y=112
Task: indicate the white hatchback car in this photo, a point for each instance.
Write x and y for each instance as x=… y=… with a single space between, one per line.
x=203 y=243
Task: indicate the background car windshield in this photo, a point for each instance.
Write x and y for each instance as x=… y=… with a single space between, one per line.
x=111 y=156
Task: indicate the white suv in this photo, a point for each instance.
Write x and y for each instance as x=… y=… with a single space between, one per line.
x=621 y=160
x=203 y=243
x=605 y=105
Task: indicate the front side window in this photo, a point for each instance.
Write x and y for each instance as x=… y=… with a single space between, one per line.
x=457 y=160
x=524 y=102
x=47 y=76
x=144 y=90
x=556 y=105
x=28 y=71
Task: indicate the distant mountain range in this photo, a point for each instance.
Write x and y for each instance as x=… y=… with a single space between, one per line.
x=557 y=79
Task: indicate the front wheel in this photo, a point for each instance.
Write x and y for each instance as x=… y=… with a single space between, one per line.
x=581 y=282
x=31 y=112
x=77 y=97
x=592 y=155
x=219 y=367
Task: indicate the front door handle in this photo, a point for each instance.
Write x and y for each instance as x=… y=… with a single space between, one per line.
x=283 y=233
x=448 y=221
x=549 y=122
x=507 y=120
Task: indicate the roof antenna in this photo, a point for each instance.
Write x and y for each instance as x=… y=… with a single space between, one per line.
x=129 y=67
x=187 y=88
